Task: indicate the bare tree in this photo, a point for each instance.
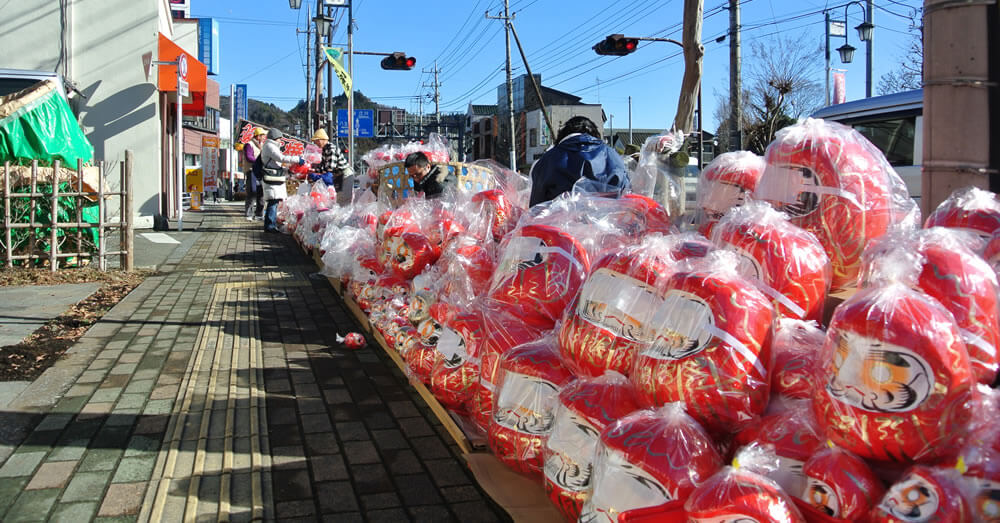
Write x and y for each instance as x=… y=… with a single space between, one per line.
x=693 y=53
x=909 y=74
x=781 y=87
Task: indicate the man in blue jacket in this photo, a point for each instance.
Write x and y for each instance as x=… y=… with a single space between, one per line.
x=579 y=153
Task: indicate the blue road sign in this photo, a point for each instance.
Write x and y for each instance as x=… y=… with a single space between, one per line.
x=364 y=123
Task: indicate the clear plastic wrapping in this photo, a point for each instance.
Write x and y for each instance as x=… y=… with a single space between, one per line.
x=649 y=462
x=894 y=382
x=529 y=379
x=586 y=407
x=727 y=182
x=839 y=487
x=457 y=371
x=789 y=261
x=835 y=184
x=797 y=347
x=711 y=345
x=660 y=170
x=948 y=270
x=793 y=436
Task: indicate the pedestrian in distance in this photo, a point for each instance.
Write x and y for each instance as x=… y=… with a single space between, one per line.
x=274 y=166
x=578 y=153
x=427 y=178
x=333 y=169
x=254 y=204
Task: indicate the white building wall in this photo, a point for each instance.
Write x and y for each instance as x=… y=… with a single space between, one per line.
x=559 y=114
x=98 y=45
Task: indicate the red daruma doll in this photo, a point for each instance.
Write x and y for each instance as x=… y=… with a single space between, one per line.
x=839 y=487
x=924 y=494
x=457 y=371
x=789 y=261
x=586 y=407
x=539 y=273
x=524 y=406
x=895 y=380
x=970 y=209
x=711 y=346
x=726 y=183
x=648 y=463
x=796 y=348
x=835 y=184
x=612 y=317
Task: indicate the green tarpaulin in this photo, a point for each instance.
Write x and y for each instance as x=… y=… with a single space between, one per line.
x=37 y=123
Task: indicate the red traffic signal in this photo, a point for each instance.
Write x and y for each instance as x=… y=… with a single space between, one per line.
x=616 y=45
x=398 y=62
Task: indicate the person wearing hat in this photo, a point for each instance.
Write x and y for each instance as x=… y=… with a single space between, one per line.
x=254 y=202
x=275 y=168
x=333 y=168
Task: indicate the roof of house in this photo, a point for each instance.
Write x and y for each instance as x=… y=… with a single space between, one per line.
x=482 y=110
x=639 y=136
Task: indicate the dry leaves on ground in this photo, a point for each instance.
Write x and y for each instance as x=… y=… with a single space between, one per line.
x=28 y=359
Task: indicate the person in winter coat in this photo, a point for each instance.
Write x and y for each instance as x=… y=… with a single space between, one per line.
x=254 y=204
x=275 y=175
x=333 y=169
x=428 y=179
x=578 y=153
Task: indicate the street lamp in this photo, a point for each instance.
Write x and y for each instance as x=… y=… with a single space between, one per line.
x=295 y=4
x=322 y=25
x=838 y=28
x=620 y=45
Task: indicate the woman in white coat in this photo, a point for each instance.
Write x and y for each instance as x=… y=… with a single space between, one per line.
x=275 y=174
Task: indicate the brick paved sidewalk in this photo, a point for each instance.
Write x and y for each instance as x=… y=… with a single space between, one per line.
x=217 y=391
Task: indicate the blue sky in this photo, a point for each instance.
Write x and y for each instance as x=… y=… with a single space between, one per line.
x=260 y=47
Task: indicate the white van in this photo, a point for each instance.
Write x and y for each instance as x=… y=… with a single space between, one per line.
x=894 y=123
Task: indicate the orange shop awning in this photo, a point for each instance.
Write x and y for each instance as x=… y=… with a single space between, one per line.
x=197 y=76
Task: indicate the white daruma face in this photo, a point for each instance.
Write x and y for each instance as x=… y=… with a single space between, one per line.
x=526 y=404
x=620 y=486
x=619 y=304
x=878 y=376
x=683 y=327
x=572 y=443
x=822 y=497
x=914 y=499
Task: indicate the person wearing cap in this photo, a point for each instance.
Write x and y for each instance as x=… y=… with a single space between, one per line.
x=254 y=201
x=333 y=168
x=275 y=165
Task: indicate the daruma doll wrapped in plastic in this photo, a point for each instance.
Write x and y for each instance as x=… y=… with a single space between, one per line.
x=540 y=271
x=649 y=461
x=796 y=347
x=503 y=213
x=924 y=494
x=612 y=317
x=835 y=184
x=794 y=436
x=970 y=209
x=530 y=378
x=941 y=264
x=727 y=182
x=839 y=487
x=457 y=371
x=895 y=380
x=711 y=346
x=788 y=260
x=586 y=407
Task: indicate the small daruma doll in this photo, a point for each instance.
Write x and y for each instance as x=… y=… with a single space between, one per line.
x=457 y=371
x=924 y=494
x=895 y=380
x=835 y=184
x=788 y=260
x=530 y=378
x=612 y=317
x=711 y=346
x=539 y=273
x=727 y=182
x=970 y=209
x=839 y=487
x=586 y=407
x=649 y=461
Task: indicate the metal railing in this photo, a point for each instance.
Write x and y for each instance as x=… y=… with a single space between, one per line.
x=42 y=242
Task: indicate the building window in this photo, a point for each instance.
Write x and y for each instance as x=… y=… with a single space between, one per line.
x=209 y=122
x=532 y=137
x=487 y=126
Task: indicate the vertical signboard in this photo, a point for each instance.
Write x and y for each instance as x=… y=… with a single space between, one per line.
x=839 y=87
x=208 y=44
x=241 y=102
x=210 y=162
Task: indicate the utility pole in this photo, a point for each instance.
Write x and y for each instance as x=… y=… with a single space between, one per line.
x=308 y=33
x=868 y=50
x=630 y=120
x=436 y=85
x=350 y=94
x=510 y=84
x=320 y=62
x=735 y=79
x=331 y=120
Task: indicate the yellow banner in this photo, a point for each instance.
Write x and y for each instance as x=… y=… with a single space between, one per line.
x=335 y=56
x=195 y=185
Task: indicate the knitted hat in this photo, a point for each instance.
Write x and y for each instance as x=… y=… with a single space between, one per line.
x=259 y=131
x=320 y=134
x=274 y=134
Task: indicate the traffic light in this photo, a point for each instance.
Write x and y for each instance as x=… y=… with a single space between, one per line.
x=616 y=45
x=398 y=62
